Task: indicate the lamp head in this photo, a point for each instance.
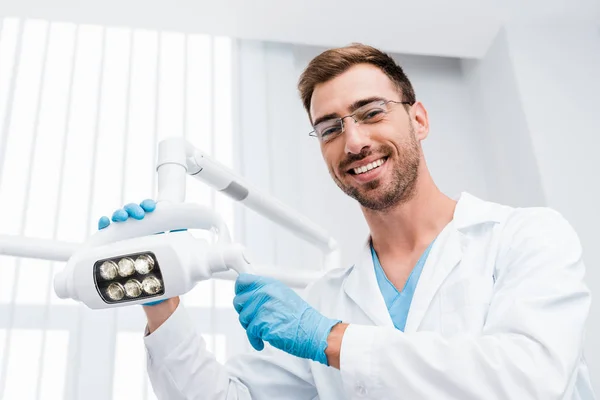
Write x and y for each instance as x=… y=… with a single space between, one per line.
x=135 y=271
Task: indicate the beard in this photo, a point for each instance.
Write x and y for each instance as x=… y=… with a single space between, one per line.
x=377 y=195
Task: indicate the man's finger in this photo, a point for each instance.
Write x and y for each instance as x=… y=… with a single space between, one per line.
x=148 y=205
x=120 y=215
x=246 y=316
x=245 y=282
x=257 y=343
x=103 y=222
x=135 y=211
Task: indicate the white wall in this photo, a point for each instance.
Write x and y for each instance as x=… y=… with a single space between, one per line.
x=557 y=70
x=511 y=170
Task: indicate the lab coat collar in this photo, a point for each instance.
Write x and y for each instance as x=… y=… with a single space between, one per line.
x=472 y=211
x=361 y=285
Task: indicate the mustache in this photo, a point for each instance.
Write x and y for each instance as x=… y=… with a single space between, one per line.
x=364 y=153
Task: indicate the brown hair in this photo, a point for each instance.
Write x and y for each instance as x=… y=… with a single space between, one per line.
x=334 y=62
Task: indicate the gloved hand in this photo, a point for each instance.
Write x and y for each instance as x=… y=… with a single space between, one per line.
x=271 y=311
x=134 y=211
x=129 y=210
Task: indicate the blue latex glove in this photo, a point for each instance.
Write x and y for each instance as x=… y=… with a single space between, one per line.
x=270 y=311
x=134 y=211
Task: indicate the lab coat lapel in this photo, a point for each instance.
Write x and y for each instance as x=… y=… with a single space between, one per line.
x=448 y=251
x=443 y=258
x=361 y=286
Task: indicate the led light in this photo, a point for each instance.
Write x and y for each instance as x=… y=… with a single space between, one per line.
x=115 y=291
x=151 y=285
x=126 y=267
x=133 y=288
x=144 y=264
x=108 y=270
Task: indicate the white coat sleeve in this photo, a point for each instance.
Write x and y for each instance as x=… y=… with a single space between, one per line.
x=529 y=347
x=180 y=367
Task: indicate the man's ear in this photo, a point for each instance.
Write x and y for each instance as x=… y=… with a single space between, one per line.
x=420 y=120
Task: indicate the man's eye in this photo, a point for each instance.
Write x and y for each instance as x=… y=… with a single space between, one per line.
x=330 y=131
x=372 y=114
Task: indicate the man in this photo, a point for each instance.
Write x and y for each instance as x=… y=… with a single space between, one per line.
x=450 y=299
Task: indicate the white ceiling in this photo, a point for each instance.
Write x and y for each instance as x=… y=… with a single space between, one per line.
x=459 y=28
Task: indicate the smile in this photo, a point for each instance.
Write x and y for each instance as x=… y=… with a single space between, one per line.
x=366 y=168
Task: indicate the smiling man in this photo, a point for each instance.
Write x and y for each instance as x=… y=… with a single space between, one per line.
x=450 y=299
x=358 y=164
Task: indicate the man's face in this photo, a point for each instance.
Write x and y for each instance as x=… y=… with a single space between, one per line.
x=390 y=145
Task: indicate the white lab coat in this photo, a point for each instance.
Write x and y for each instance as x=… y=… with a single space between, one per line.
x=498 y=313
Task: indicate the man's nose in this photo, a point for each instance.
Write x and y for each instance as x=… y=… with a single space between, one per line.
x=357 y=138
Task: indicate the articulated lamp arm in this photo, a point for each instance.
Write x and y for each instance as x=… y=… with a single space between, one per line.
x=178 y=158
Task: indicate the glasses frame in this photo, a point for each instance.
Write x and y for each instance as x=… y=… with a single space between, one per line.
x=313 y=133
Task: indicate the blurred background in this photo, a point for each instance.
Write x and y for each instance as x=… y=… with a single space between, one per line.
x=87 y=89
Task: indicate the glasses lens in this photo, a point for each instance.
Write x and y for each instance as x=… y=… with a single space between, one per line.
x=371 y=113
x=328 y=129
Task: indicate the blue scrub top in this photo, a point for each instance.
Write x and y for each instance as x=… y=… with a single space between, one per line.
x=398 y=303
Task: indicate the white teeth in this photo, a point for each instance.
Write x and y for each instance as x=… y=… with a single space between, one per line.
x=368 y=167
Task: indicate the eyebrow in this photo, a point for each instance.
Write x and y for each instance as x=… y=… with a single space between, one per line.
x=357 y=104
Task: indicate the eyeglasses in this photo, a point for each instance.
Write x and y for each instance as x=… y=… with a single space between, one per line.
x=369 y=114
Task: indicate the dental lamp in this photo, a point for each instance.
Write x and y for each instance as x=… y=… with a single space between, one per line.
x=129 y=263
